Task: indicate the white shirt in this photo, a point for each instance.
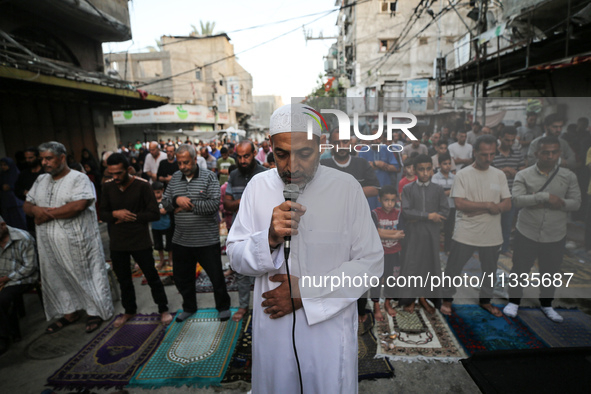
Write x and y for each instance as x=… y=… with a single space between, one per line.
x=336 y=237
x=151 y=164
x=458 y=151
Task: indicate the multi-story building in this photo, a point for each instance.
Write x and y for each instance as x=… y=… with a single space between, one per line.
x=52 y=80
x=208 y=89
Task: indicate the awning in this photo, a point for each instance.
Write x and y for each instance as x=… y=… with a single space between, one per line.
x=118 y=95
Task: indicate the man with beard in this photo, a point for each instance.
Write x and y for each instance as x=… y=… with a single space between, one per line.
x=210 y=161
x=332 y=234
x=167 y=167
x=361 y=170
x=553 y=125
x=194 y=195
x=153 y=160
x=128 y=205
x=71 y=258
x=248 y=167
x=27 y=178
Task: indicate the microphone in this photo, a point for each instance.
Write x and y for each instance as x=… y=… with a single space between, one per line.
x=291 y=192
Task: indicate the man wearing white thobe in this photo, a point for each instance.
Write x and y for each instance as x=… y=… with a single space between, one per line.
x=333 y=235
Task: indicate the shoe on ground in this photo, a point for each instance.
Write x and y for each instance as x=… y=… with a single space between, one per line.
x=511 y=309
x=181 y=317
x=224 y=315
x=552 y=314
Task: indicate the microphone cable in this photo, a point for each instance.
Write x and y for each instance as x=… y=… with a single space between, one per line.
x=295 y=350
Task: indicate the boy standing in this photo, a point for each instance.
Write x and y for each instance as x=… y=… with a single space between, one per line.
x=386 y=220
x=162 y=228
x=445 y=179
x=409 y=175
x=424 y=207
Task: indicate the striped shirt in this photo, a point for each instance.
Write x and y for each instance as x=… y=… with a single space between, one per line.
x=515 y=160
x=198 y=227
x=18 y=259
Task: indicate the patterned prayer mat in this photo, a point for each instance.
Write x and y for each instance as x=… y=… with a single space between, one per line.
x=574 y=331
x=112 y=357
x=437 y=344
x=241 y=362
x=370 y=367
x=203 y=283
x=477 y=330
x=195 y=352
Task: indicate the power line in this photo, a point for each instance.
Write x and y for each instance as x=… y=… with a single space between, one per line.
x=278 y=22
x=246 y=50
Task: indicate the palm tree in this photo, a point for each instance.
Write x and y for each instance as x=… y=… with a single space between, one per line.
x=207 y=29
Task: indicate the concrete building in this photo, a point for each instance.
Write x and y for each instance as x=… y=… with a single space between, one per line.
x=264 y=106
x=208 y=89
x=52 y=80
x=382 y=44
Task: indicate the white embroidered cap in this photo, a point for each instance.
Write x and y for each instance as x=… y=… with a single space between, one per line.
x=294 y=118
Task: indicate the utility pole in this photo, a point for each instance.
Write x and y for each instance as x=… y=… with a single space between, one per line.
x=480 y=54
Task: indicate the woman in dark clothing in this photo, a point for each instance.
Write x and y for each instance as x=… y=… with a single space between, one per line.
x=10 y=205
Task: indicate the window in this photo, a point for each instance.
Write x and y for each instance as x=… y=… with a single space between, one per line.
x=423 y=41
x=386 y=45
x=388 y=6
x=198 y=75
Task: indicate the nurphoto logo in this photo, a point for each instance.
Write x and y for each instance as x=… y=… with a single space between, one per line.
x=393 y=120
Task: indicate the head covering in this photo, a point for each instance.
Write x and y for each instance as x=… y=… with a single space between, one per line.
x=295 y=118
x=9 y=177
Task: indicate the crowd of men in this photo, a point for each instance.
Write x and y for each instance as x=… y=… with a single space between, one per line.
x=473 y=186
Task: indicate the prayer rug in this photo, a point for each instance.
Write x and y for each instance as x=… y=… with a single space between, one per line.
x=574 y=331
x=550 y=370
x=477 y=330
x=203 y=283
x=370 y=367
x=195 y=352
x=112 y=357
x=241 y=362
x=438 y=344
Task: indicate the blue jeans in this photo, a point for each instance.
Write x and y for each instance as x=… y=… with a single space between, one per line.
x=506 y=226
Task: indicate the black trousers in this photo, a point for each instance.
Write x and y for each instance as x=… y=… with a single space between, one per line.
x=448 y=229
x=458 y=257
x=7 y=297
x=183 y=271
x=122 y=267
x=549 y=255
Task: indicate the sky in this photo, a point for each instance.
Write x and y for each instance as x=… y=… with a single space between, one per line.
x=286 y=67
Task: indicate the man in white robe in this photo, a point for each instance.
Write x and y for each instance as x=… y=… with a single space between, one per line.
x=71 y=257
x=333 y=235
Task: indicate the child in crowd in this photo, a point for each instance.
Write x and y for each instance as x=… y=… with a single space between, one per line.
x=162 y=228
x=386 y=220
x=409 y=175
x=424 y=207
x=445 y=179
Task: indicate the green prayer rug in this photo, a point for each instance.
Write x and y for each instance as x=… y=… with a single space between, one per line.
x=195 y=352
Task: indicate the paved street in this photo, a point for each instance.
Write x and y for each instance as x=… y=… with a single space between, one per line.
x=22 y=375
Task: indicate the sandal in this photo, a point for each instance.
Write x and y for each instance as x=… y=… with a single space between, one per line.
x=93 y=323
x=58 y=325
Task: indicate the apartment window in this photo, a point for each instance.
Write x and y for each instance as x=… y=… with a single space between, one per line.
x=450 y=39
x=198 y=75
x=387 y=44
x=388 y=6
x=423 y=41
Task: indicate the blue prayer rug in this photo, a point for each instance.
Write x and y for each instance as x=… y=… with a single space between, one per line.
x=195 y=352
x=112 y=357
x=574 y=331
x=478 y=330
